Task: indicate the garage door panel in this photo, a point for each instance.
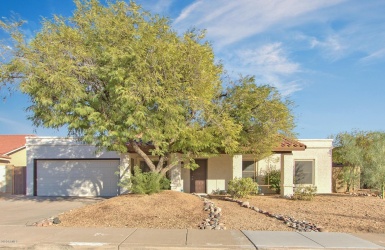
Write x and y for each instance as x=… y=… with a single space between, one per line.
x=77 y=177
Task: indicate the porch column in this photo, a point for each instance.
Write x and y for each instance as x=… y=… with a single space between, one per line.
x=124 y=172
x=287 y=171
x=237 y=166
x=176 y=175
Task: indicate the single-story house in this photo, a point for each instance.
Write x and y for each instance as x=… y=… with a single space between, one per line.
x=13 y=162
x=68 y=167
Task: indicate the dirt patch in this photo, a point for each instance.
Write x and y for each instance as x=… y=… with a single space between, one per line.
x=169 y=209
x=334 y=212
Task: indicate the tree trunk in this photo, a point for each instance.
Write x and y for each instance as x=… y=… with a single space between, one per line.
x=145 y=157
x=383 y=190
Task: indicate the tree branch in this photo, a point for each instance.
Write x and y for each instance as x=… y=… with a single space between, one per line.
x=145 y=157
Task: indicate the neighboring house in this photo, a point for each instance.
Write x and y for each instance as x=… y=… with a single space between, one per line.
x=4 y=161
x=13 y=162
x=67 y=167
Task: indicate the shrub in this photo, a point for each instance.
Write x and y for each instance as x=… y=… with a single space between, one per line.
x=306 y=193
x=242 y=187
x=273 y=178
x=148 y=182
x=165 y=184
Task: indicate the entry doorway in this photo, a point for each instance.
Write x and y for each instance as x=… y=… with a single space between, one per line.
x=198 y=177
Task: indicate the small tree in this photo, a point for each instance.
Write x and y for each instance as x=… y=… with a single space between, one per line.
x=273 y=178
x=272 y=174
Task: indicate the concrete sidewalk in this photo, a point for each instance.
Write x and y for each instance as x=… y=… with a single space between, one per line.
x=17 y=237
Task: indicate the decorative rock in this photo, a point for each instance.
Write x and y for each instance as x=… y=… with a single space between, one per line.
x=212 y=222
x=299 y=226
x=56 y=220
x=245 y=204
x=321 y=229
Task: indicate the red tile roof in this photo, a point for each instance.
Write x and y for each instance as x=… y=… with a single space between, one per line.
x=9 y=143
x=289 y=145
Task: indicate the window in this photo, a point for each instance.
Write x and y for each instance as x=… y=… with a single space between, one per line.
x=304 y=172
x=248 y=169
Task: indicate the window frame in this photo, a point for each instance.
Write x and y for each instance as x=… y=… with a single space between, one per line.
x=312 y=161
x=253 y=172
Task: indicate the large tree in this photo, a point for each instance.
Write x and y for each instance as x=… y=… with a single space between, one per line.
x=347 y=153
x=117 y=75
x=363 y=150
x=374 y=158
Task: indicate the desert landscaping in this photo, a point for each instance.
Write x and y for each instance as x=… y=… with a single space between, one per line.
x=170 y=209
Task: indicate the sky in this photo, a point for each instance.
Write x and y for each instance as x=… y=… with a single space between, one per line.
x=328 y=57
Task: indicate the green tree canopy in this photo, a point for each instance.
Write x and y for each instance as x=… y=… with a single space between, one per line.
x=366 y=151
x=116 y=74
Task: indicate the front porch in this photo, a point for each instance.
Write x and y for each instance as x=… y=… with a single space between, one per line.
x=215 y=173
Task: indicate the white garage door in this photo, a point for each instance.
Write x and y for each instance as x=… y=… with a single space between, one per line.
x=77 y=177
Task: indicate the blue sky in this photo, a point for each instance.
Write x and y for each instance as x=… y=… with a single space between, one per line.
x=326 y=56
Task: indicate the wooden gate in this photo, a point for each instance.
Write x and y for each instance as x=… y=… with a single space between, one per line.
x=19 y=180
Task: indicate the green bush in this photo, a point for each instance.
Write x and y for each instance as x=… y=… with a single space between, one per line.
x=148 y=182
x=306 y=193
x=165 y=184
x=242 y=187
x=273 y=177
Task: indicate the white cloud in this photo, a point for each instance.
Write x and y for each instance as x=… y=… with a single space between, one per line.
x=271 y=58
x=229 y=21
x=187 y=11
x=156 y=6
x=270 y=64
x=374 y=56
x=332 y=47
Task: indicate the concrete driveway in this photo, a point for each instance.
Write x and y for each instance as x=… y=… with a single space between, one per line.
x=23 y=210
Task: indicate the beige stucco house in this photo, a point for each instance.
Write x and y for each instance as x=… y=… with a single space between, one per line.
x=67 y=167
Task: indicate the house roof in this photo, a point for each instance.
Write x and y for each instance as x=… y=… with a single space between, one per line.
x=287 y=145
x=4 y=158
x=9 y=143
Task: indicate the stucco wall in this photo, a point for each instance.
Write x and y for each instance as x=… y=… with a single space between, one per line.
x=219 y=172
x=319 y=150
x=59 y=148
x=185 y=180
x=3 y=171
x=19 y=158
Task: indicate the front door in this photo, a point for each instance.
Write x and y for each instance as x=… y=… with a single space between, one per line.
x=198 y=177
